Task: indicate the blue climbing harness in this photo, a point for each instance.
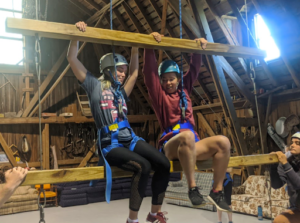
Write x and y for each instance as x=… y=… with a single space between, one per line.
x=176 y=129
x=113 y=129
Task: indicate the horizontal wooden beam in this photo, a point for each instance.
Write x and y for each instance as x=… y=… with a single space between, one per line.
x=11 y=69
x=93 y=173
x=61 y=120
x=111 y=37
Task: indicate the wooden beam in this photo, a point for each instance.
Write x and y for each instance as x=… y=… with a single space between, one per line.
x=93 y=173
x=97 y=15
x=46 y=148
x=236 y=79
x=204 y=124
x=8 y=151
x=62 y=120
x=272 y=91
x=160 y=15
x=111 y=37
x=215 y=105
x=186 y=17
x=88 y=156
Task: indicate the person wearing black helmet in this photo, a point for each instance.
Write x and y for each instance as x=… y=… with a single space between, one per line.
x=173 y=108
x=288 y=172
x=117 y=143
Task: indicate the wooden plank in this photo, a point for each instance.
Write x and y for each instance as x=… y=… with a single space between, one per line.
x=112 y=37
x=205 y=124
x=62 y=120
x=7 y=150
x=88 y=157
x=46 y=147
x=93 y=173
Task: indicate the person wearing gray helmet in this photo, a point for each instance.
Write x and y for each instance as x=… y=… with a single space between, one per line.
x=117 y=143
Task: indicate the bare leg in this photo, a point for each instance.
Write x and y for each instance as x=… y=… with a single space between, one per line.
x=217 y=147
x=155 y=208
x=219 y=215
x=182 y=147
x=229 y=214
x=133 y=215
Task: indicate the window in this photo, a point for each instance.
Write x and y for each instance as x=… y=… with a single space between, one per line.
x=264 y=39
x=11 y=44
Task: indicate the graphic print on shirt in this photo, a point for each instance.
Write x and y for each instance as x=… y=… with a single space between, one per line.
x=107 y=102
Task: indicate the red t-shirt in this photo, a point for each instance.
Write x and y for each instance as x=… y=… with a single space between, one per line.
x=166 y=106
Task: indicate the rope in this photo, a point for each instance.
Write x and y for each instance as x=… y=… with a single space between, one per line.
x=183 y=101
x=38 y=59
x=117 y=85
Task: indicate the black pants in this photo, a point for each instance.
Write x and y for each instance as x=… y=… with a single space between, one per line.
x=141 y=161
x=228 y=192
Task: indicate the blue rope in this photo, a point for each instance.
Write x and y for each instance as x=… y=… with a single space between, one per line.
x=183 y=101
x=117 y=93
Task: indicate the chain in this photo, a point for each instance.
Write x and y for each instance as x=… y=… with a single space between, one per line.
x=41 y=206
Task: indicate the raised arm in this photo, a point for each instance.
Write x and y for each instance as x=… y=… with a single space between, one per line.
x=150 y=71
x=77 y=67
x=195 y=64
x=133 y=71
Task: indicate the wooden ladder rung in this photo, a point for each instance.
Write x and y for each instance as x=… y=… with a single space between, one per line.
x=84 y=102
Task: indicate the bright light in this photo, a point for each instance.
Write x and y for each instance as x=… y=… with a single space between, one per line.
x=264 y=39
x=11 y=50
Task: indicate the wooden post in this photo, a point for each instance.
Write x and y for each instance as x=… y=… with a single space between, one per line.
x=46 y=147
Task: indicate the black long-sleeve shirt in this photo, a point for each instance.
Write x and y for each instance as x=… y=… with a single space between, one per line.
x=289 y=174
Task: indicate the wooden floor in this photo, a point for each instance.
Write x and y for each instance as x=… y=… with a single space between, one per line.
x=116 y=212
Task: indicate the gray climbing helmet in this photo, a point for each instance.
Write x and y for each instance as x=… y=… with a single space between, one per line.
x=108 y=60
